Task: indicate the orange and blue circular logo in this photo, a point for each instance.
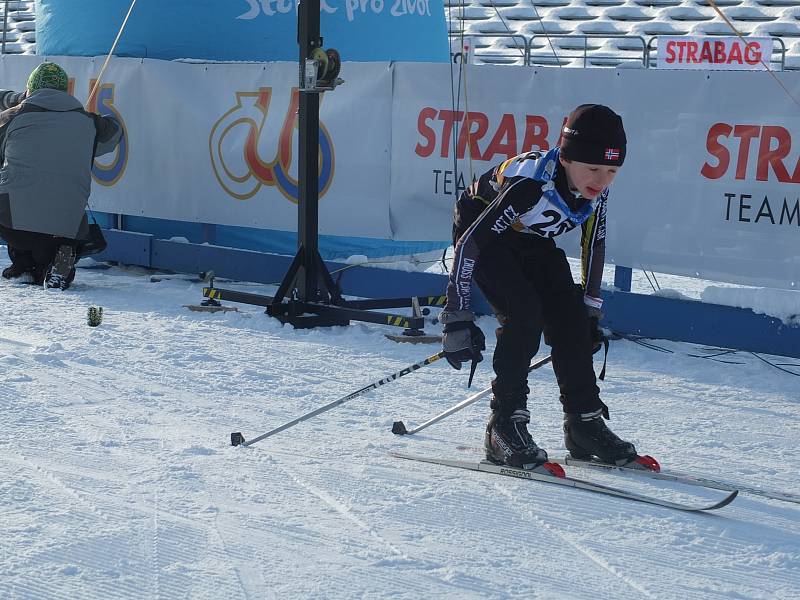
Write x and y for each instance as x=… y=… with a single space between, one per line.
x=104 y=172
x=234 y=146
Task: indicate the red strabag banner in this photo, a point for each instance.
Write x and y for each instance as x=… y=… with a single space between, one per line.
x=710 y=187
x=722 y=53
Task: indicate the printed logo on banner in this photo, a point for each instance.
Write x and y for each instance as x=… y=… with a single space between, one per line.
x=729 y=147
x=352 y=8
x=257 y=7
x=252 y=30
x=104 y=172
x=237 y=164
x=722 y=52
x=477 y=136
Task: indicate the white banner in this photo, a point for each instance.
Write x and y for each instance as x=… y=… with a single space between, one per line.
x=232 y=141
x=729 y=53
x=710 y=185
x=437 y=151
x=217 y=143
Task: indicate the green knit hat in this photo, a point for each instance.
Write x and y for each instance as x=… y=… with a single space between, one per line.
x=48 y=75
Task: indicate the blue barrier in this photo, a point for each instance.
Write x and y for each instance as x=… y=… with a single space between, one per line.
x=626 y=313
x=700 y=323
x=623 y=277
x=331 y=247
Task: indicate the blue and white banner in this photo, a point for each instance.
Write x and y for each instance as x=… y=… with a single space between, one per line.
x=713 y=191
x=218 y=143
x=711 y=183
x=242 y=30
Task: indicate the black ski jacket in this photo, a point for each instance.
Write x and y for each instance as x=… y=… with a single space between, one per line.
x=525 y=195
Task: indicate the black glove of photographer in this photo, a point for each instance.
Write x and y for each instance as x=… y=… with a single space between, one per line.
x=462 y=340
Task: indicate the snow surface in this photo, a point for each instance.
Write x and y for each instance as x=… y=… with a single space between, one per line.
x=117 y=478
x=784 y=304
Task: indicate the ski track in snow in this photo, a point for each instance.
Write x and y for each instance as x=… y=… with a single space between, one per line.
x=117 y=478
x=585 y=551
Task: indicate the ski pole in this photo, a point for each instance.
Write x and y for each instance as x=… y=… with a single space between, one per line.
x=399 y=428
x=237 y=439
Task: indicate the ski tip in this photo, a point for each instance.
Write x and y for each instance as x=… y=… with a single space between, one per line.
x=649 y=463
x=554 y=469
x=399 y=428
x=237 y=439
x=724 y=502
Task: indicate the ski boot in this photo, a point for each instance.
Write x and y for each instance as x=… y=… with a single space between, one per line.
x=61 y=271
x=508 y=442
x=16 y=271
x=587 y=435
x=22 y=265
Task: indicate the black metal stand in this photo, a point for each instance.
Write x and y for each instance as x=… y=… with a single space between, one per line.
x=308 y=296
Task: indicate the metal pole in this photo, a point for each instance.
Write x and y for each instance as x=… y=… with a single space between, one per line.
x=238 y=440
x=5 y=27
x=308 y=156
x=399 y=428
x=585 y=49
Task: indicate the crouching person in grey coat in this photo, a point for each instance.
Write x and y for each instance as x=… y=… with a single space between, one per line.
x=48 y=143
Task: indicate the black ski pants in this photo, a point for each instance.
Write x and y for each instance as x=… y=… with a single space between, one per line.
x=29 y=249
x=528 y=282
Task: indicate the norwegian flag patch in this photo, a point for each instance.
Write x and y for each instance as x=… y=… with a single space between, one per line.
x=612 y=154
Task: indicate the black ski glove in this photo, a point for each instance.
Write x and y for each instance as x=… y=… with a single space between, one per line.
x=462 y=340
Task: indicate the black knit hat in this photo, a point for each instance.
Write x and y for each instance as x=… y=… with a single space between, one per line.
x=594 y=134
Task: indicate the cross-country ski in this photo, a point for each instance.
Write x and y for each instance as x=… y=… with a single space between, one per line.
x=680 y=477
x=487 y=467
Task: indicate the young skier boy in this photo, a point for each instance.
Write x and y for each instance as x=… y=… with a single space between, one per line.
x=503 y=231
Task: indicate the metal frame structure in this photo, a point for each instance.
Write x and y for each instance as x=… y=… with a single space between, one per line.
x=308 y=296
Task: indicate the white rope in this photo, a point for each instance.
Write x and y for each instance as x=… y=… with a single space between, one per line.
x=110 y=53
x=741 y=37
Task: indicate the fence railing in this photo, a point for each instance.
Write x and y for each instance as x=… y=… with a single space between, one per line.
x=20 y=17
x=582 y=47
x=557 y=48
x=483 y=51
x=5 y=26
